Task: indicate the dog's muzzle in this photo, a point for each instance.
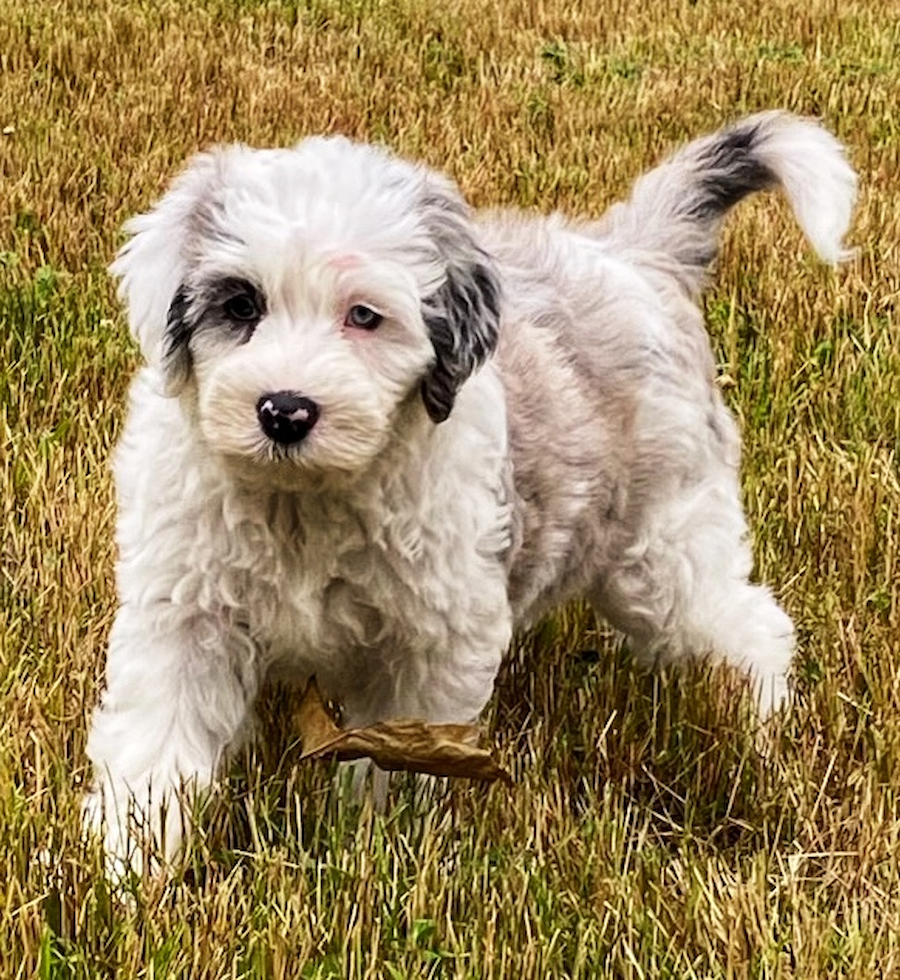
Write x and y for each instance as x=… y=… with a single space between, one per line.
x=286 y=417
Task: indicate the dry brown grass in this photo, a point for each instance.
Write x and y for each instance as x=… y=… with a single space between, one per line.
x=645 y=836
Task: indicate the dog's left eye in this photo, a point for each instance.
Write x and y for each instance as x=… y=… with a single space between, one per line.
x=363 y=318
x=243 y=308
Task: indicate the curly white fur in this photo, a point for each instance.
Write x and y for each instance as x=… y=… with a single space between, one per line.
x=534 y=417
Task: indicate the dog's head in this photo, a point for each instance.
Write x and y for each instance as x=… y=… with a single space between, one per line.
x=303 y=296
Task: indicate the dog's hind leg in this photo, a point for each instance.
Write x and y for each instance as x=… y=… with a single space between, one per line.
x=682 y=589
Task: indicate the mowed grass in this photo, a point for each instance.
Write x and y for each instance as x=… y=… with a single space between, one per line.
x=648 y=833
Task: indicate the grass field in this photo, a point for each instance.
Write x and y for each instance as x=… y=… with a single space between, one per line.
x=645 y=834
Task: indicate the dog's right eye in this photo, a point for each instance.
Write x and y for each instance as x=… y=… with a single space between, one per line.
x=243 y=308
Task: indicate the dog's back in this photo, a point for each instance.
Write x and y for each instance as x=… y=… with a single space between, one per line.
x=624 y=456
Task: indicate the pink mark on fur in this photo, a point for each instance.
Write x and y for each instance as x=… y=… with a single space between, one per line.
x=345 y=262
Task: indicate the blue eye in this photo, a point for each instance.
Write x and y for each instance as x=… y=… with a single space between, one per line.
x=363 y=318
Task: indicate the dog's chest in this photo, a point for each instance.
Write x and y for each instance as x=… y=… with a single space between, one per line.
x=314 y=580
x=334 y=588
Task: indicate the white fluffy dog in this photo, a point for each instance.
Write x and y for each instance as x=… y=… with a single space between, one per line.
x=375 y=435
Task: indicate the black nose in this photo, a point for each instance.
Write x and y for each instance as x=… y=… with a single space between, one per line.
x=286 y=417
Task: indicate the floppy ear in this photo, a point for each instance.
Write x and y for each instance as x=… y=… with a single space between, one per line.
x=176 y=354
x=153 y=265
x=463 y=314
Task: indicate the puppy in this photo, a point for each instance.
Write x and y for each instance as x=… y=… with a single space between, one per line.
x=375 y=435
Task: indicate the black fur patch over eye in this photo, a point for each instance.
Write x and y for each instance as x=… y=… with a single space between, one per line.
x=238 y=302
x=230 y=308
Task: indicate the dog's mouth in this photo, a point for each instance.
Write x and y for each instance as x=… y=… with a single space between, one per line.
x=304 y=464
x=273 y=452
x=272 y=466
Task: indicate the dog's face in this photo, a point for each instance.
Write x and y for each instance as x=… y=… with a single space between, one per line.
x=301 y=297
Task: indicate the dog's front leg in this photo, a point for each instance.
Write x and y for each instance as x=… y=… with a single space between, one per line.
x=179 y=684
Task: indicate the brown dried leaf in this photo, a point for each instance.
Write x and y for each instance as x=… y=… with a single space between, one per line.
x=439 y=750
x=314 y=724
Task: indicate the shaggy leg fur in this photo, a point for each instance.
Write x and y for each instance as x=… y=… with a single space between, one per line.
x=682 y=590
x=163 y=726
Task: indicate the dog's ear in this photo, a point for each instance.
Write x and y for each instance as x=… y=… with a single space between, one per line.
x=152 y=267
x=463 y=314
x=176 y=354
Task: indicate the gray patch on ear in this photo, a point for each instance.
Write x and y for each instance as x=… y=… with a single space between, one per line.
x=463 y=315
x=176 y=351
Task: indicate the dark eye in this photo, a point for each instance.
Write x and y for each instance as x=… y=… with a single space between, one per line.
x=242 y=308
x=363 y=318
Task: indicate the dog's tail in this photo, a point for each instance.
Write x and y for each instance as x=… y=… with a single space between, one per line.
x=677 y=208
